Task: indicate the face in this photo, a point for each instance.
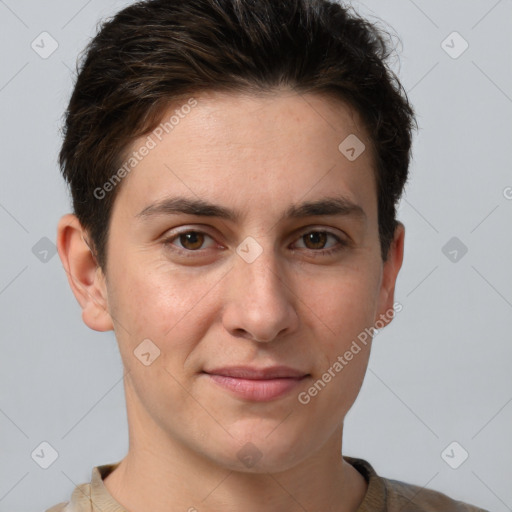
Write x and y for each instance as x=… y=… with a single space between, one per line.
x=281 y=272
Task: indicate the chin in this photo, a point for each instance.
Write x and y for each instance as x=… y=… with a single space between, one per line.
x=261 y=451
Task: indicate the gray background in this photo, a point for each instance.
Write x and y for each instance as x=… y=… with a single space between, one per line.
x=439 y=373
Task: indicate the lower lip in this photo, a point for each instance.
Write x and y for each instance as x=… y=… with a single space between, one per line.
x=257 y=390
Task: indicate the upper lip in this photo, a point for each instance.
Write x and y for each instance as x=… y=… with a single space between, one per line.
x=249 y=372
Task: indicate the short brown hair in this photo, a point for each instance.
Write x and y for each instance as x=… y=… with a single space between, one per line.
x=155 y=52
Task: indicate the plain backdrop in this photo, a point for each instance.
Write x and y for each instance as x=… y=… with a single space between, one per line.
x=439 y=374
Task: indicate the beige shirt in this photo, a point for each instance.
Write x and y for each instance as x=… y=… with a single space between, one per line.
x=382 y=495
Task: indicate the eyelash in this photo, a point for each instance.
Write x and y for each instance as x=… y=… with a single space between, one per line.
x=168 y=242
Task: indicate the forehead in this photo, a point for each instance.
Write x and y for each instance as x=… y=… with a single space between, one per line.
x=255 y=153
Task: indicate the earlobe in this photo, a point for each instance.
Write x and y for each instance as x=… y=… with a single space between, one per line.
x=390 y=271
x=85 y=277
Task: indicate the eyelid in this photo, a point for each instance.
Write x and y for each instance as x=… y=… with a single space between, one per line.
x=320 y=229
x=338 y=233
x=316 y=230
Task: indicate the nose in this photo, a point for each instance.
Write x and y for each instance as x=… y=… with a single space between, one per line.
x=259 y=299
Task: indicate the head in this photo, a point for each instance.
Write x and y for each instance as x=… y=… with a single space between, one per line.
x=235 y=169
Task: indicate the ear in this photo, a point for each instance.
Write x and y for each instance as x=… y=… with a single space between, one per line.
x=85 y=277
x=390 y=271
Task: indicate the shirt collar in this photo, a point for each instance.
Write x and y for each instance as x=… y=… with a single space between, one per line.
x=94 y=497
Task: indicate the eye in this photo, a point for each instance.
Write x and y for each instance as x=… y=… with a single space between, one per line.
x=189 y=240
x=317 y=240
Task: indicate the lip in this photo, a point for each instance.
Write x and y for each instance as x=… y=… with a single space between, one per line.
x=249 y=372
x=257 y=384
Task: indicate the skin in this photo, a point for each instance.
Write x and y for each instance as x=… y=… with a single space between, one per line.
x=292 y=305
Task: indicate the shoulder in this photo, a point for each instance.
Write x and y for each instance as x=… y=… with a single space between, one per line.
x=387 y=495
x=408 y=498
x=80 y=501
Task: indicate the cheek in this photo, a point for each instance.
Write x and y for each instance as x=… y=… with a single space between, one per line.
x=345 y=303
x=346 y=306
x=156 y=301
x=343 y=353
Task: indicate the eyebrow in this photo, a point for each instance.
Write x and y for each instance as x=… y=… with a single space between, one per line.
x=332 y=206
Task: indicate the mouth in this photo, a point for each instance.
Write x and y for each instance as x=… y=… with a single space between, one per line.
x=257 y=384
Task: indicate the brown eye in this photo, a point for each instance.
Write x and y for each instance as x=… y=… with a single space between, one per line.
x=317 y=243
x=191 y=240
x=190 y=243
x=315 y=239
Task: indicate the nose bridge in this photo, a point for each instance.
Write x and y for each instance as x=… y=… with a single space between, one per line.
x=262 y=275
x=260 y=303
